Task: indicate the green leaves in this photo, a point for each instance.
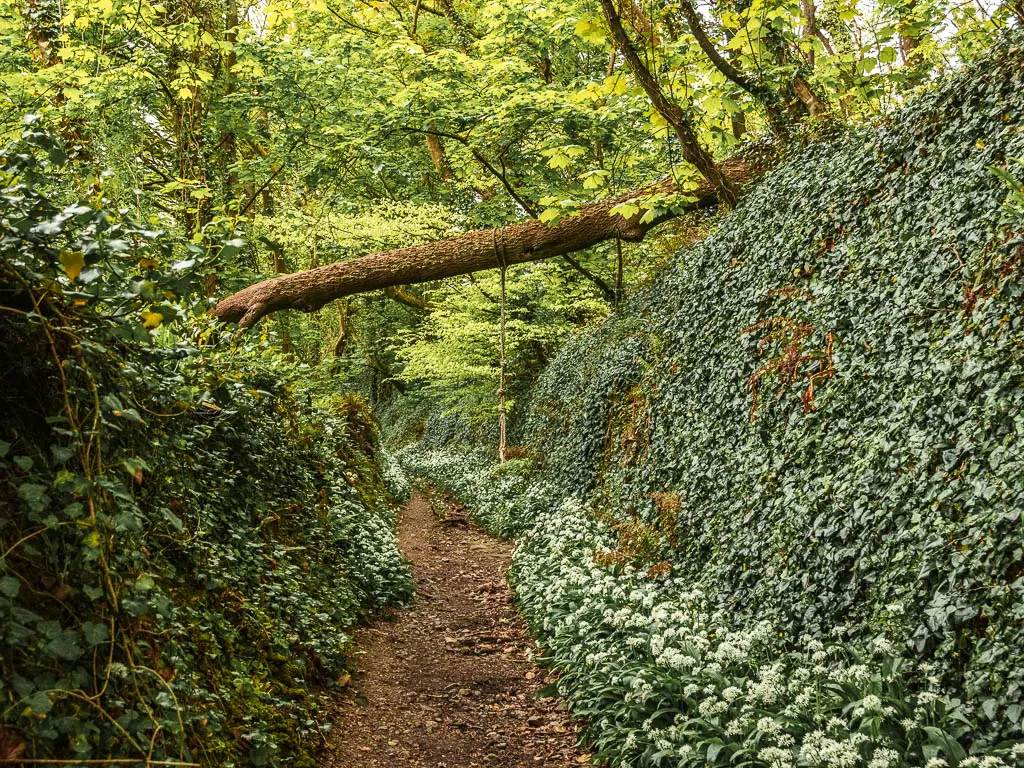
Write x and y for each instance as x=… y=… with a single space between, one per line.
x=64 y=646
x=941 y=744
x=34 y=495
x=591 y=31
x=562 y=157
x=550 y=215
x=9 y=586
x=95 y=634
x=38 y=704
x=873 y=541
x=626 y=210
x=1015 y=201
x=138 y=472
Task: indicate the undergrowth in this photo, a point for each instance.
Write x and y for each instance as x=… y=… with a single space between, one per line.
x=190 y=523
x=776 y=518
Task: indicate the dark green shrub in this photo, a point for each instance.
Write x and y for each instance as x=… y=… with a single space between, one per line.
x=188 y=526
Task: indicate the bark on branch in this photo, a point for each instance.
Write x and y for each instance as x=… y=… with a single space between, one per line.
x=693 y=151
x=768 y=98
x=408 y=298
x=467 y=253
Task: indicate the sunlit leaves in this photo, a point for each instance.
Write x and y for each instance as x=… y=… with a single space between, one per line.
x=151 y=320
x=591 y=31
x=595 y=179
x=73 y=263
x=550 y=215
x=562 y=157
x=626 y=210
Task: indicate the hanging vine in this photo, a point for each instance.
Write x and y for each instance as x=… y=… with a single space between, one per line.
x=499 y=254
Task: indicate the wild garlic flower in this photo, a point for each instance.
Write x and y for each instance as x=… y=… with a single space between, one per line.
x=870 y=704
x=884 y=758
x=734 y=728
x=819 y=750
x=712 y=707
x=776 y=757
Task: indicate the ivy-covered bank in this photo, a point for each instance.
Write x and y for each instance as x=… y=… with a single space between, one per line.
x=776 y=517
x=189 y=523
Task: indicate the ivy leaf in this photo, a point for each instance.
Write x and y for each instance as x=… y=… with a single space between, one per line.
x=9 y=586
x=61 y=453
x=95 y=633
x=34 y=495
x=65 y=646
x=39 y=704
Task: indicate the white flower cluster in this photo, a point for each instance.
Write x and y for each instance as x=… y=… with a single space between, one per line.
x=673 y=677
x=395 y=479
x=490 y=492
x=674 y=681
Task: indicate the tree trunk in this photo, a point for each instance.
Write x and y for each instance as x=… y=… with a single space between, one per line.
x=808 y=97
x=341 y=343
x=1017 y=6
x=909 y=42
x=768 y=98
x=810 y=31
x=437 y=154
x=470 y=252
x=693 y=151
x=228 y=140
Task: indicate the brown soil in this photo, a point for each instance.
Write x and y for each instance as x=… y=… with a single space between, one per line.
x=448 y=683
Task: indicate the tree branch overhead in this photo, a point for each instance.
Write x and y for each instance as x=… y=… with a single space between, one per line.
x=470 y=252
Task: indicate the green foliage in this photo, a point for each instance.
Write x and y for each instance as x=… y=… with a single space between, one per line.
x=189 y=525
x=211 y=478
x=320 y=131
x=831 y=575
x=453 y=354
x=499 y=497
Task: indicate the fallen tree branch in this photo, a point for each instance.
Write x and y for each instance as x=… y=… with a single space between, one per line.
x=470 y=252
x=408 y=298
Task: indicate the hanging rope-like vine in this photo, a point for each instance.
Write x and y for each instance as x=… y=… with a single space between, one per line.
x=499 y=254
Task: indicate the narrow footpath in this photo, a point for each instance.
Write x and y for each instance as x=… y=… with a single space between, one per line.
x=448 y=683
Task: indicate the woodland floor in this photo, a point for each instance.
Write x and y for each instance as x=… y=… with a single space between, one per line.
x=448 y=683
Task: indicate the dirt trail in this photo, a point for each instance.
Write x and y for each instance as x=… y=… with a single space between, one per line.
x=448 y=683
